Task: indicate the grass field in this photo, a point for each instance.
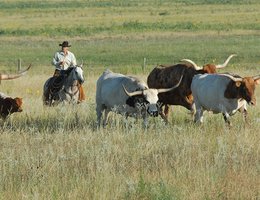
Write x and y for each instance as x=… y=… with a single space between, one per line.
x=57 y=153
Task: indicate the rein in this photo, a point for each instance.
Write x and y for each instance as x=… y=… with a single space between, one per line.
x=56 y=87
x=60 y=86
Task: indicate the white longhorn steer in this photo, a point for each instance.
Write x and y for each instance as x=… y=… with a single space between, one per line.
x=223 y=93
x=126 y=95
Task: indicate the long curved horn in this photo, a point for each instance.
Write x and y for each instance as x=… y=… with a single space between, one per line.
x=232 y=77
x=130 y=94
x=226 y=62
x=14 y=76
x=25 y=71
x=172 y=88
x=191 y=62
x=256 y=77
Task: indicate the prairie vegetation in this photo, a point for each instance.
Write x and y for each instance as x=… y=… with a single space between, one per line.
x=57 y=153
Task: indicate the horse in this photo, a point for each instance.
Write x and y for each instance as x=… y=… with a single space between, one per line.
x=63 y=88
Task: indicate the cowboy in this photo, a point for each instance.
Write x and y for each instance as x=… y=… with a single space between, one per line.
x=62 y=60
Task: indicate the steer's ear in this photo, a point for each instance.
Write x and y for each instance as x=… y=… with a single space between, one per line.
x=238 y=83
x=257 y=81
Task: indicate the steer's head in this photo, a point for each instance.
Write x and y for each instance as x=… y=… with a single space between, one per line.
x=247 y=89
x=16 y=104
x=10 y=106
x=209 y=68
x=243 y=88
x=147 y=100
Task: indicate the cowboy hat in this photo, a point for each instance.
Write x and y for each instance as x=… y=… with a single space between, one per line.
x=65 y=44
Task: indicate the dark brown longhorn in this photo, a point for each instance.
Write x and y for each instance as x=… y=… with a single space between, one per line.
x=166 y=76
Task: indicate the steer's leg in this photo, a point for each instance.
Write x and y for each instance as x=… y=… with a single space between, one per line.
x=105 y=117
x=166 y=111
x=99 y=111
x=226 y=118
x=245 y=114
x=162 y=114
x=188 y=102
x=243 y=110
x=145 y=120
x=193 y=109
x=198 y=117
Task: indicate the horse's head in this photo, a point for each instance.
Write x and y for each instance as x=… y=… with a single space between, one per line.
x=76 y=73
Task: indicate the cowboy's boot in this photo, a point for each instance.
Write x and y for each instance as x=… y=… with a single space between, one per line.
x=82 y=96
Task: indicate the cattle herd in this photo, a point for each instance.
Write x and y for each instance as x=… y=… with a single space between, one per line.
x=198 y=89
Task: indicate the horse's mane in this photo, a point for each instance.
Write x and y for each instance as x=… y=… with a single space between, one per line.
x=69 y=70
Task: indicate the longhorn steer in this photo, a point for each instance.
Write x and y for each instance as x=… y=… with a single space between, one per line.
x=126 y=95
x=223 y=93
x=9 y=105
x=167 y=76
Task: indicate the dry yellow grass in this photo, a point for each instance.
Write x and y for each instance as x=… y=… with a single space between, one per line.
x=57 y=153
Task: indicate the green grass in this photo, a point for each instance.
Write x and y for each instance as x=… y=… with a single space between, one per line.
x=120 y=34
x=88 y=18
x=127 y=54
x=57 y=153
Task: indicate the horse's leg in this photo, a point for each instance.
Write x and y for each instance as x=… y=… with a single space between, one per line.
x=47 y=93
